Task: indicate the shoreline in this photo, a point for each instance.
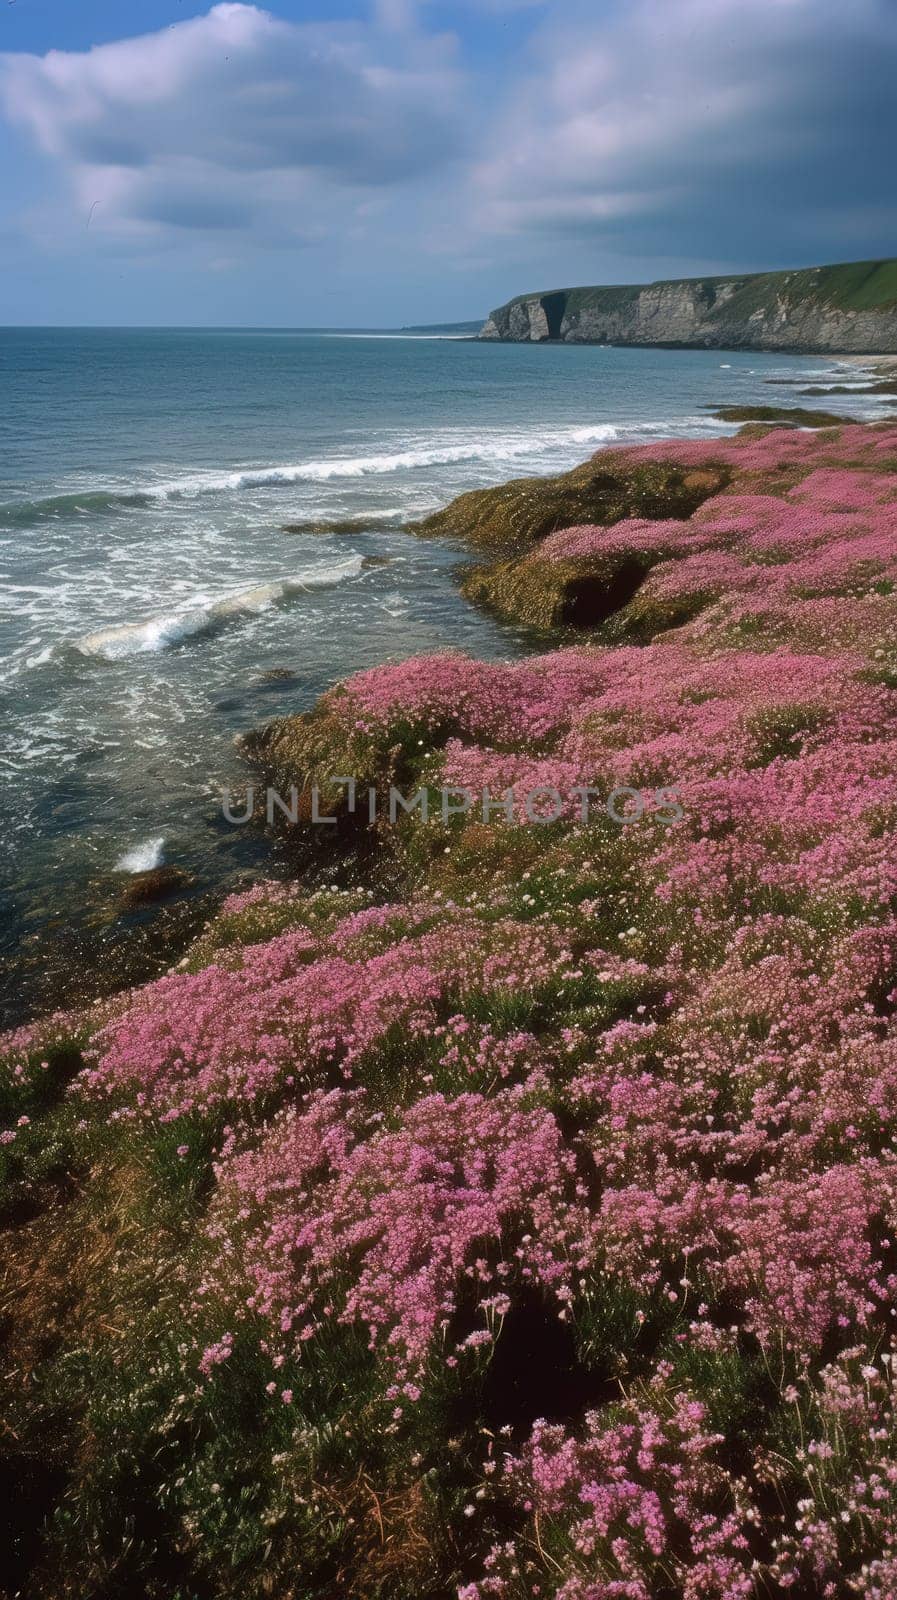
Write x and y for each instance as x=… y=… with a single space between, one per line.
x=507 y=1095
x=879 y=363
x=809 y=352
x=259 y=744
x=531 y=598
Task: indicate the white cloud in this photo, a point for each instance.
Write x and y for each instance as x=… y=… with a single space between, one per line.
x=610 y=135
x=696 y=126
x=238 y=119
x=500 y=7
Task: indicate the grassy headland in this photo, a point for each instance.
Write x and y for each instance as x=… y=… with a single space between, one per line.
x=851 y=306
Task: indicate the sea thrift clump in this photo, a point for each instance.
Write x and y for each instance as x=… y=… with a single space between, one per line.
x=748 y=554
x=290 y=1011
x=34 y=1059
x=388 y=1226
x=803 y=1252
x=849 y=1502
x=636 y=1502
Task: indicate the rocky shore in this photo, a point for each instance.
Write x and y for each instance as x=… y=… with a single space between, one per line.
x=506 y=1207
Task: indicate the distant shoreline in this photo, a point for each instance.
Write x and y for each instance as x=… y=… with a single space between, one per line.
x=884 y=360
x=882 y=363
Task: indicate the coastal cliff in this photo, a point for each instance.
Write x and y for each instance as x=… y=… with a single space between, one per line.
x=850 y=309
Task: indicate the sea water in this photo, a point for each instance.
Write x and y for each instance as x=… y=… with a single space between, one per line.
x=152 y=605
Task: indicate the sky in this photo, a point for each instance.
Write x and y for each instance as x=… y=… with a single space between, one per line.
x=379 y=163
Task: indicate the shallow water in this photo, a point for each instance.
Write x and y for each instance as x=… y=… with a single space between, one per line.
x=153 y=606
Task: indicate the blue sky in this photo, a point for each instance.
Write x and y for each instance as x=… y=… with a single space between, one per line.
x=421 y=160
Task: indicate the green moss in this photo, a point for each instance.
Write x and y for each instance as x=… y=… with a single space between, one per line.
x=306 y=750
x=513 y=517
x=304 y=753
x=578 y=594
x=648 y=615
x=531 y=592
x=794 y=416
x=329 y=525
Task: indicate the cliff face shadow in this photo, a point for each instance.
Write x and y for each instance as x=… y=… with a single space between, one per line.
x=554 y=306
x=589 y=601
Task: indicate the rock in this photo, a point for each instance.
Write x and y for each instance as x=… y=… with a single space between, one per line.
x=511 y=521
x=146 y=888
x=272 y=677
x=336 y=525
x=555 y=594
x=785 y=416
x=511 y=518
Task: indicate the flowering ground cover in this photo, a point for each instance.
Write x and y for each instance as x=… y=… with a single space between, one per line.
x=515 y=1215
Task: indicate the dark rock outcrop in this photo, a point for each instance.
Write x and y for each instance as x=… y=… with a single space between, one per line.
x=507 y=524
x=779 y=416
x=511 y=518
x=146 y=888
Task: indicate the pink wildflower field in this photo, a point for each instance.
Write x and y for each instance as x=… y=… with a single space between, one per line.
x=533 y=1207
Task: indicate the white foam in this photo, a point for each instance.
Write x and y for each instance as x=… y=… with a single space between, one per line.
x=144 y=638
x=42 y=658
x=434 y=450
x=378 y=465
x=599 y=433
x=429 y=452
x=856 y=386
x=143 y=858
x=154 y=634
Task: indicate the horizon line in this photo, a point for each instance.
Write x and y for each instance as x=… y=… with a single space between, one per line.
x=237 y=327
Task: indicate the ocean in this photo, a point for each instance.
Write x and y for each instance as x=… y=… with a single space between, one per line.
x=153 y=607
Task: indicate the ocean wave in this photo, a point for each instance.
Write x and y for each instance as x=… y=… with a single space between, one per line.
x=143 y=857
x=496 y=450
x=84 y=503
x=535 y=445
x=154 y=634
x=434 y=452
x=681 y=428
